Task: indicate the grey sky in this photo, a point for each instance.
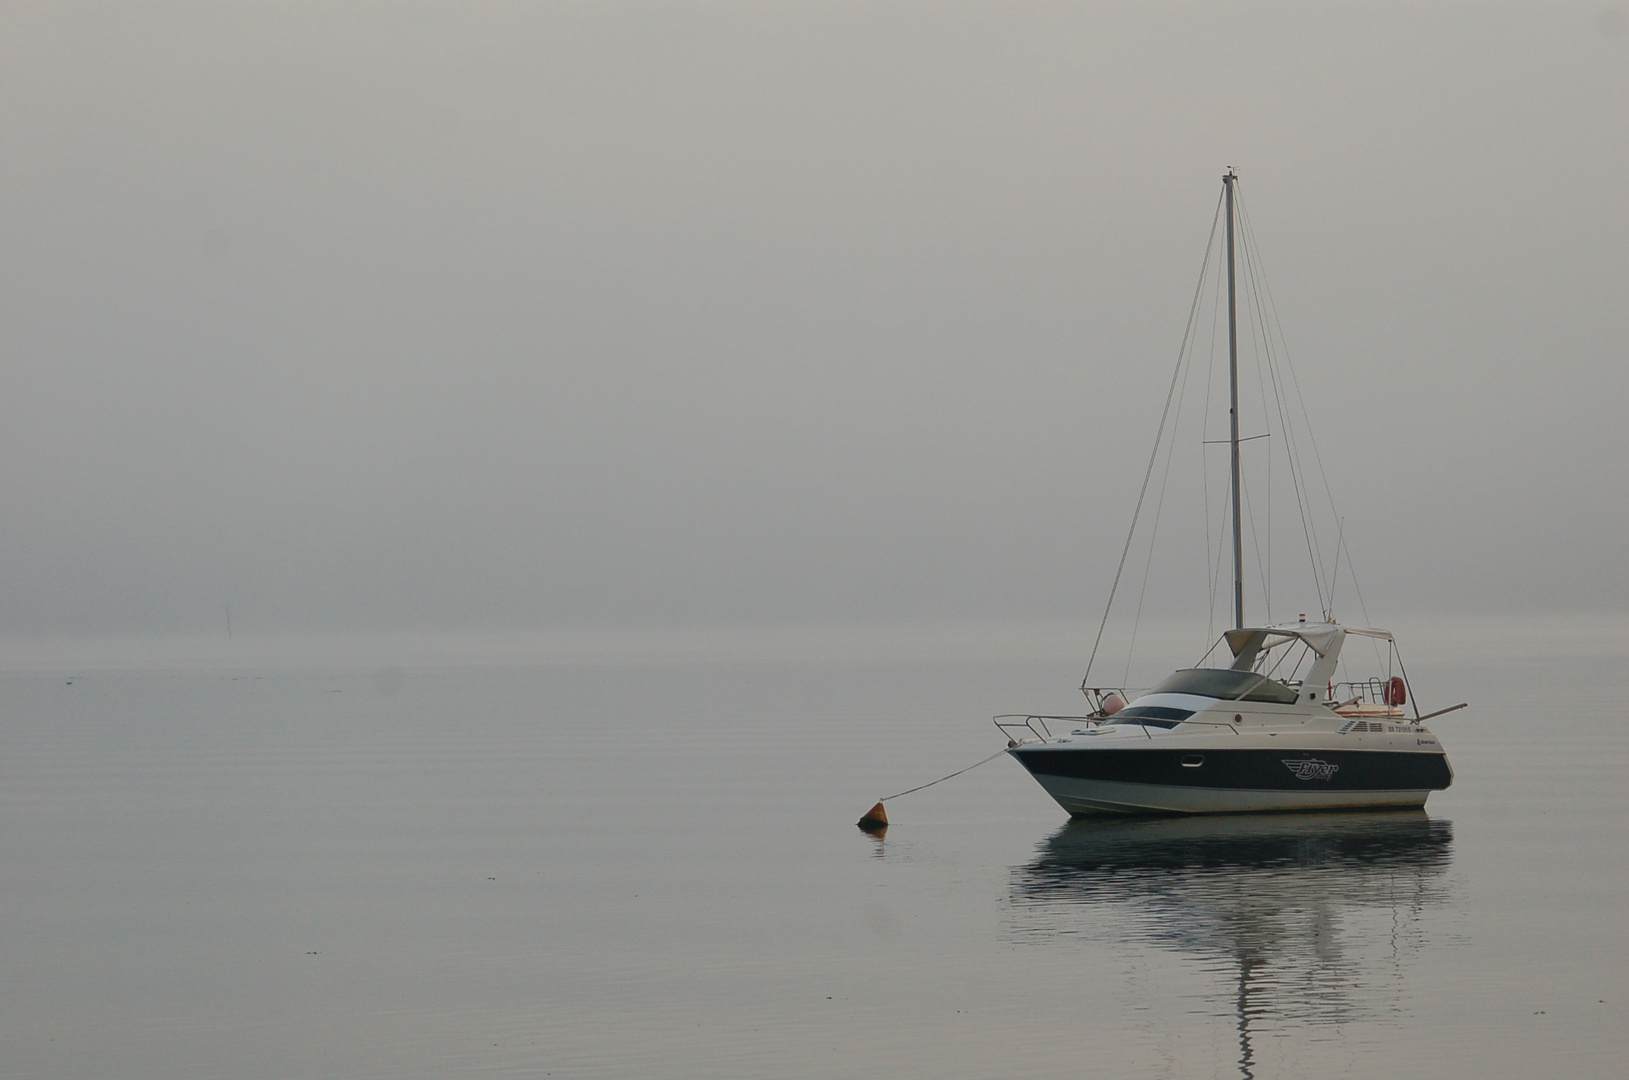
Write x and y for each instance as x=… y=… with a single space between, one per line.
x=482 y=315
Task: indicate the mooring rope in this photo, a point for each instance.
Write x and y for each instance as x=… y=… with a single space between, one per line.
x=942 y=779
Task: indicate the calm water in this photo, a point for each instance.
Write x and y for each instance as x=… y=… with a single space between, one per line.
x=641 y=868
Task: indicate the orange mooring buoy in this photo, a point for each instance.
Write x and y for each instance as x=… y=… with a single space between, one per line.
x=875 y=818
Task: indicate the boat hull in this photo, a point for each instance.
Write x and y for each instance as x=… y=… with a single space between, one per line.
x=1210 y=781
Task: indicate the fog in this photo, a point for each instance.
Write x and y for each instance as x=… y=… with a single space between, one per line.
x=458 y=316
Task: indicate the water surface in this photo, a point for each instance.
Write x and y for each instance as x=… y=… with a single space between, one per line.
x=631 y=866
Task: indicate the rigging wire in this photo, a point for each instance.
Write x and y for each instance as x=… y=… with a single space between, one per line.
x=1340 y=541
x=1283 y=398
x=1153 y=457
x=1213 y=575
x=1256 y=275
x=1300 y=397
x=1255 y=537
x=1221 y=553
x=1267 y=312
x=1252 y=272
x=1351 y=572
x=1159 y=507
x=1263 y=343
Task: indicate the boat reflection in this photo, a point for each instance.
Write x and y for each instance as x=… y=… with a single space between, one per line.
x=1312 y=917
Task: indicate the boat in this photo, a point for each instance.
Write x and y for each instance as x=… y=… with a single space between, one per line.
x=1242 y=738
x=1266 y=721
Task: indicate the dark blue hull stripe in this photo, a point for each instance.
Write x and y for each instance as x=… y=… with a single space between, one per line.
x=1289 y=769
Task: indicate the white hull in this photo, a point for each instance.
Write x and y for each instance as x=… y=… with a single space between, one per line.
x=1114 y=797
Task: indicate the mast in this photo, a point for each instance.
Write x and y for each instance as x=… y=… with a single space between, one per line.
x=1233 y=412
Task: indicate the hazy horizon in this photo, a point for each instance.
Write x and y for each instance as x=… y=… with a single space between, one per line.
x=386 y=318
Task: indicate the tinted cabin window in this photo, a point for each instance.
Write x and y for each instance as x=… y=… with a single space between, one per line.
x=1152 y=715
x=1226 y=684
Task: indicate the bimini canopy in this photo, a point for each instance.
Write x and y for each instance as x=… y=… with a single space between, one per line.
x=1321 y=637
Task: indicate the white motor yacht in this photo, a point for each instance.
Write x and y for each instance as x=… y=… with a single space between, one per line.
x=1274 y=725
x=1249 y=736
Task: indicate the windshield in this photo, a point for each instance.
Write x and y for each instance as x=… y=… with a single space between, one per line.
x=1151 y=716
x=1227 y=684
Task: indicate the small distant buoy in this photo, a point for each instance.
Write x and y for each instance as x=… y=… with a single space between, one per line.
x=875 y=819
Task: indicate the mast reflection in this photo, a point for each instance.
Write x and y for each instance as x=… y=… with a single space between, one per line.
x=1312 y=914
